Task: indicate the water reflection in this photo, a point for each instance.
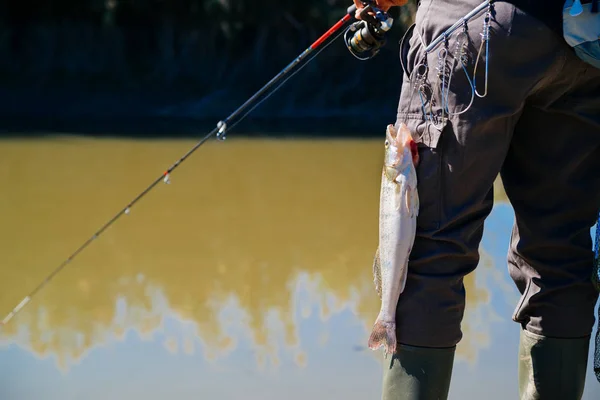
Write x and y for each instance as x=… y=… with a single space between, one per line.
x=257 y=257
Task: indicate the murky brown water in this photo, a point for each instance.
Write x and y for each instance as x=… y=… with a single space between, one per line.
x=248 y=277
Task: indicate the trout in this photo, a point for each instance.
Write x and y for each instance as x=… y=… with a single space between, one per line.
x=398 y=211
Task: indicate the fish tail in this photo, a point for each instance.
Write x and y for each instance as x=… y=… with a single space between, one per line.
x=383 y=334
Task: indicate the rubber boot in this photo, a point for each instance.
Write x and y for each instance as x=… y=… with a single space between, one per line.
x=417 y=373
x=552 y=368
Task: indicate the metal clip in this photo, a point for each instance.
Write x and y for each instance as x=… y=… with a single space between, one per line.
x=485 y=41
x=221 y=135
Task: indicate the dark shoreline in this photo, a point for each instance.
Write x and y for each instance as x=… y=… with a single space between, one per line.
x=156 y=127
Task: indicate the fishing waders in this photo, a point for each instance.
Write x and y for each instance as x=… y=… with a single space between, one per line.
x=488 y=94
x=417 y=373
x=555 y=368
x=551 y=368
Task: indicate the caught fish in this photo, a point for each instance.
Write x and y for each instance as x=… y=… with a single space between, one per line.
x=398 y=210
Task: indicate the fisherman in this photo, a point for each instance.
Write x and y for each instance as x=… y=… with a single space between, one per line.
x=537 y=125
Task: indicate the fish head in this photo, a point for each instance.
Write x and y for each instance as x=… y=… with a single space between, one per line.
x=400 y=148
x=393 y=153
x=409 y=145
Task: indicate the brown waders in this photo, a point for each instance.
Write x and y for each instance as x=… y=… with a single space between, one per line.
x=539 y=128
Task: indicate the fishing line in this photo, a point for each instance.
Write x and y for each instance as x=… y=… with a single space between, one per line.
x=222 y=126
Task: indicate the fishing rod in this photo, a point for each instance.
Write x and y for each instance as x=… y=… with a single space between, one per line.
x=363 y=38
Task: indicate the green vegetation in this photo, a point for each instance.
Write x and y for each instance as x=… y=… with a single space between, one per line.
x=185 y=58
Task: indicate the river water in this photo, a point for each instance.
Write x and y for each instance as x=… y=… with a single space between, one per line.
x=247 y=277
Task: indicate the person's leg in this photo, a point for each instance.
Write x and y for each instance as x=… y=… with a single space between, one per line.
x=457 y=168
x=418 y=373
x=552 y=178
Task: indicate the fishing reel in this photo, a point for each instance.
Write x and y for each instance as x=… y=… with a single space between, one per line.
x=364 y=38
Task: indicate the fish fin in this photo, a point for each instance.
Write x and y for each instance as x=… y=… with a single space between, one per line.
x=401 y=191
x=412 y=201
x=412 y=198
x=383 y=334
x=377 y=273
x=401 y=183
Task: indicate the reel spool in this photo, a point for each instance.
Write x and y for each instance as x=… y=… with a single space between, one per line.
x=364 y=38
